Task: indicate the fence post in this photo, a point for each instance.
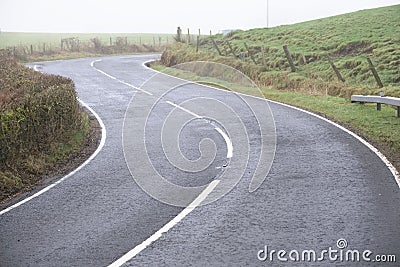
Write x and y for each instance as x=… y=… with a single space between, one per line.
x=188 y=37
x=110 y=41
x=230 y=48
x=31 y=49
x=250 y=54
x=179 y=35
x=216 y=46
x=263 y=56
x=375 y=73
x=336 y=70
x=197 y=44
x=289 y=58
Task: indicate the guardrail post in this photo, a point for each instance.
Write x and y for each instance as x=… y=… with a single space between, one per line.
x=398 y=112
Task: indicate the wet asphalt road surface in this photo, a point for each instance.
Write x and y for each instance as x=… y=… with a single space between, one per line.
x=324 y=185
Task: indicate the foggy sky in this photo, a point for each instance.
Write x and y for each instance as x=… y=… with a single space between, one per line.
x=164 y=16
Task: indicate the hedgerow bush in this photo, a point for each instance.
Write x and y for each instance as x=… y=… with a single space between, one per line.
x=36 y=111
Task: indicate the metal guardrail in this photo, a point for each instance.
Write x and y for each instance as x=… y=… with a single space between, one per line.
x=379 y=100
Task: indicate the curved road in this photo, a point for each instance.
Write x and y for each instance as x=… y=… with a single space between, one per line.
x=324 y=185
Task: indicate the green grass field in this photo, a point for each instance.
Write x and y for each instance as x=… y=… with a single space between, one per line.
x=347 y=39
x=10 y=39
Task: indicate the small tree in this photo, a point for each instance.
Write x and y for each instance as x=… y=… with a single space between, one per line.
x=96 y=43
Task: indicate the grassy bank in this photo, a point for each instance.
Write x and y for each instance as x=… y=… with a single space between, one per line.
x=347 y=39
x=41 y=125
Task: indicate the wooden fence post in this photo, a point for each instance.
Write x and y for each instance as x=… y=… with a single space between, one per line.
x=197 y=44
x=289 y=58
x=188 y=37
x=375 y=73
x=216 y=46
x=31 y=49
x=230 y=48
x=263 y=56
x=250 y=54
x=179 y=35
x=336 y=70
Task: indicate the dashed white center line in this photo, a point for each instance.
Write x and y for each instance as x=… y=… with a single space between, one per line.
x=136 y=250
x=116 y=79
x=184 y=109
x=228 y=142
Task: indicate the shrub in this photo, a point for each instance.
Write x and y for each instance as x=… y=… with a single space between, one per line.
x=36 y=112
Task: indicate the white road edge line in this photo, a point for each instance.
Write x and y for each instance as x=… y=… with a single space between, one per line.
x=102 y=142
x=390 y=166
x=116 y=79
x=184 y=109
x=139 y=248
x=228 y=142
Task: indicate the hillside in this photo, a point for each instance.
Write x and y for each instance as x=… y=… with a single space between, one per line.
x=347 y=39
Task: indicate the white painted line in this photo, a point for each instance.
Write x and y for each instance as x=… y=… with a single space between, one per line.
x=35 y=68
x=118 y=80
x=392 y=169
x=139 y=248
x=184 y=109
x=94 y=61
x=102 y=142
x=106 y=74
x=228 y=142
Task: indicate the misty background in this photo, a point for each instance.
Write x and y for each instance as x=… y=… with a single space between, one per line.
x=151 y=16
